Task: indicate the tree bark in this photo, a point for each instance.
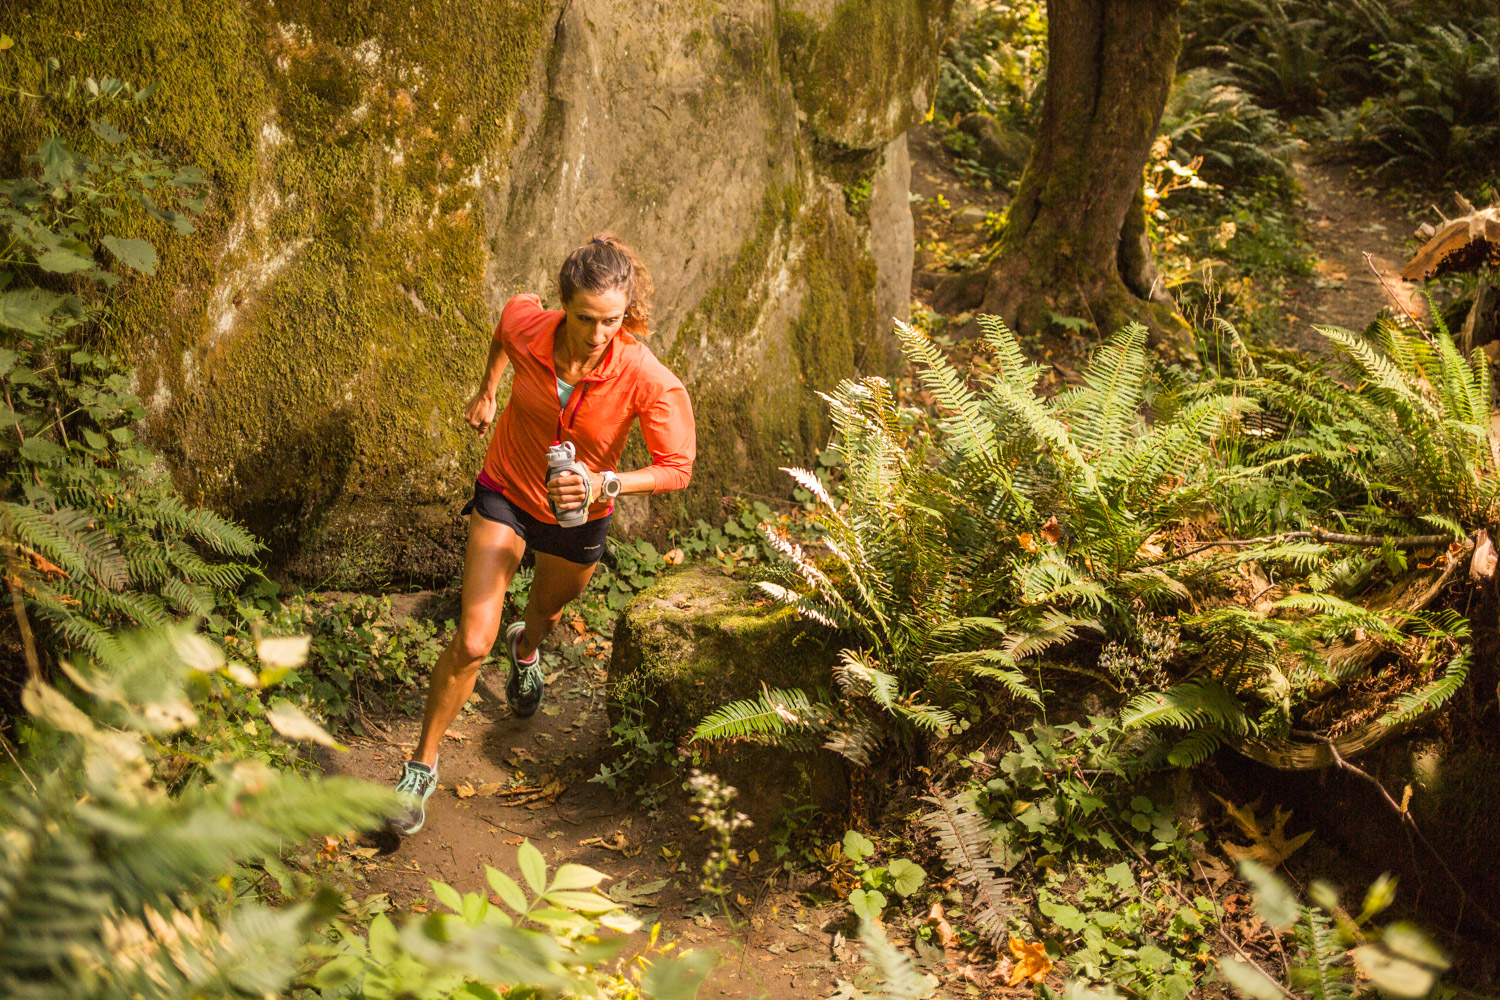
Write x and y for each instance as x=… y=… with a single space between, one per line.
x=1075 y=243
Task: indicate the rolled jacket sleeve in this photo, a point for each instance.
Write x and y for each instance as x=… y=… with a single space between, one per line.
x=671 y=438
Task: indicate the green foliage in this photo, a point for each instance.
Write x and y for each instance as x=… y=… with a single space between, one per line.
x=106 y=881
x=1329 y=944
x=1396 y=86
x=98 y=531
x=994 y=61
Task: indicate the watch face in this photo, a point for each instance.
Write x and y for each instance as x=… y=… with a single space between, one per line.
x=611 y=487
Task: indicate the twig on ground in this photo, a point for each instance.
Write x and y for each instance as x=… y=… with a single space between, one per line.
x=1407 y=820
x=1394 y=298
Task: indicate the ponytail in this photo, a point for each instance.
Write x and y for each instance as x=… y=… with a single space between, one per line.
x=606 y=263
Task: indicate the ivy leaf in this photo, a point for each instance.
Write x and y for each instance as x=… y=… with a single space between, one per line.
x=28 y=309
x=104 y=130
x=133 y=253
x=906 y=876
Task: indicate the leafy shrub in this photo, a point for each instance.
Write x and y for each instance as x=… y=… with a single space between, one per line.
x=1241 y=144
x=994 y=61
x=1011 y=518
x=1440 y=108
x=90 y=514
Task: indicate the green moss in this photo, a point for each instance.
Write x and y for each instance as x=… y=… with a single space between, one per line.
x=692 y=642
x=344 y=234
x=829 y=65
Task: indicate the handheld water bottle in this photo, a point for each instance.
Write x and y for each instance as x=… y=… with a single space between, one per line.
x=562 y=457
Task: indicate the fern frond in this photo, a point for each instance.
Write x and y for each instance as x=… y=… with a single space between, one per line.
x=1431 y=696
x=770 y=715
x=1188 y=705
x=964 y=837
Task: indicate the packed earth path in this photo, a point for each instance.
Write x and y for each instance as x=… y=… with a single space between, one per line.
x=503 y=780
x=1346 y=220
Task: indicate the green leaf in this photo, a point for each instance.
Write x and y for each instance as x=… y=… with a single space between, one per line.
x=382 y=940
x=678 y=978
x=104 y=130
x=1121 y=875
x=533 y=867
x=133 y=253
x=868 y=904
x=1248 y=980
x=29 y=309
x=857 y=846
x=1403 y=964
x=447 y=895
x=1274 y=901
x=581 y=902
x=572 y=876
x=506 y=888
x=906 y=876
x=146 y=92
x=63 y=262
x=59 y=163
x=95 y=439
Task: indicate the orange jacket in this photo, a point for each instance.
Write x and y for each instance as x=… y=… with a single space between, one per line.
x=627 y=384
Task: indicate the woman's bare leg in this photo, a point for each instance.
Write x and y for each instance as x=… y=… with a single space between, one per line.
x=490 y=559
x=557 y=581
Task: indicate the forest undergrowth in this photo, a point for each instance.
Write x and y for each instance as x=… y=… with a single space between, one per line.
x=1054 y=610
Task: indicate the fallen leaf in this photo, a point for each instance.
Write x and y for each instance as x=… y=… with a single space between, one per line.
x=1026 y=541
x=1052 y=531
x=1031 y=962
x=1482 y=566
x=330 y=848
x=674 y=557
x=1269 y=847
x=364 y=852
x=464 y=790
x=455 y=735
x=624 y=892
x=513 y=841
x=47 y=566
x=940 y=926
x=578 y=625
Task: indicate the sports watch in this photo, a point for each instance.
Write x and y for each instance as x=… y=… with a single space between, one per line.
x=611 y=485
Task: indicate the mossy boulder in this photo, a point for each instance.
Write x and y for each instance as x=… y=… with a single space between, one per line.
x=386 y=175
x=696 y=640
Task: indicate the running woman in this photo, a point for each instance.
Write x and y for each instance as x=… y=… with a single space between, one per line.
x=581 y=375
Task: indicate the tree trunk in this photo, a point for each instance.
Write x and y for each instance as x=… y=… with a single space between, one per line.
x=1075 y=244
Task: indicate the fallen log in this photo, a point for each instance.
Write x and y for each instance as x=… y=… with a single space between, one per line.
x=1312 y=751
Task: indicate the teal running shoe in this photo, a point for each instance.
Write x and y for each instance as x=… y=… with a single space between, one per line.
x=416 y=786
x=524 y=687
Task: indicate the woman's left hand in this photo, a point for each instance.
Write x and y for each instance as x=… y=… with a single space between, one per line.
x=569 y=490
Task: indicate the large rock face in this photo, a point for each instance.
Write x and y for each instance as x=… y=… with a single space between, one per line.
x=387 y=174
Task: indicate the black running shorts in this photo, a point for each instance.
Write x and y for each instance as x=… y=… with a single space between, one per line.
x=583 y=544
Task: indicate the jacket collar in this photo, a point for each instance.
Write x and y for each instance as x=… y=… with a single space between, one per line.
x=621 y=349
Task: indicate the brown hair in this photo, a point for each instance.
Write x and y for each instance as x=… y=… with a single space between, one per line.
x=604 y=264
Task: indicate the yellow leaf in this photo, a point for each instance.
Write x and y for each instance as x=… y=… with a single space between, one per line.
x=1269 y=846
x=464 y=790
x=1026 y=541
x=6 y=42
x=754 y=856
x=1031 y=962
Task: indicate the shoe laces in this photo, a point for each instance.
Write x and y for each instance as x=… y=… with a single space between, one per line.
x=414 y=780
x=531 y=675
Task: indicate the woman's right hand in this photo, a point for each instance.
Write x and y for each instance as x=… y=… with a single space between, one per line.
x=480 y=411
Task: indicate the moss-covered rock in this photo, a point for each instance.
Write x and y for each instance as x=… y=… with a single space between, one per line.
x=386 y=175
x=694 y=641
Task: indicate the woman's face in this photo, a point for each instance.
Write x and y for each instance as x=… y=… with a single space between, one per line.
x=595 y=317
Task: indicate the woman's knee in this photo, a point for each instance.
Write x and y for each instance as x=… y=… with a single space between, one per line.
x=473 y=643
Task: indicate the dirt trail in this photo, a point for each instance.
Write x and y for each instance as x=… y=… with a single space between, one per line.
x=1345 y=221
x=779 y=950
